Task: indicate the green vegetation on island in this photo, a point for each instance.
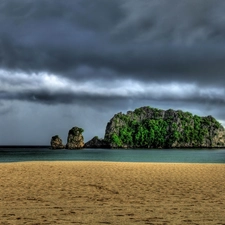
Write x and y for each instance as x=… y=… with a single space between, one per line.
x=148 y=127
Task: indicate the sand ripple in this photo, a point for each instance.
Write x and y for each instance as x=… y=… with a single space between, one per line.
x=111 y=193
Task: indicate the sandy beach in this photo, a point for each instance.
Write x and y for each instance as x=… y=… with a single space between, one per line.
x=111 y=193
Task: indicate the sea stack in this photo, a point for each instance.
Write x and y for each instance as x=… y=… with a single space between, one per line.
x=56 y=142
x=75 y=139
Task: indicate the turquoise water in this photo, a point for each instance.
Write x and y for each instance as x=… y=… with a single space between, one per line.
x=115 y=155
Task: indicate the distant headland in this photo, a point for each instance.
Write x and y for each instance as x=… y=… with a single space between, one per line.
x=148 y=127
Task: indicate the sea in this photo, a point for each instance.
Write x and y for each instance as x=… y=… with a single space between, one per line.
x=23 y=154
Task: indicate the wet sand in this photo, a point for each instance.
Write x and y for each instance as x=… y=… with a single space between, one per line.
x=111 y=193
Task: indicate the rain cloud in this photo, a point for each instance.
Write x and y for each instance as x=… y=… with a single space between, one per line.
x=103 y=57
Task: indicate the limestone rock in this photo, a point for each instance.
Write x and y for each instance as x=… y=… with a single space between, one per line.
x=148 y=127
x=56 y=143
x=95 y=142
x=75 y=139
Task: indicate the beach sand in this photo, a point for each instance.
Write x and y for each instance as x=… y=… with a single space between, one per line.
x=111 y=193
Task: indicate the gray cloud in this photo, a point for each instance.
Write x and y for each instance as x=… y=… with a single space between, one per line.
x=177 y=22
x=109 y=56
x=147 y=40
x=50 y=89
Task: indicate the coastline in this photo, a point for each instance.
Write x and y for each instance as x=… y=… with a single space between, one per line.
x=84 y=192
x=110 y=148
x=109 y=162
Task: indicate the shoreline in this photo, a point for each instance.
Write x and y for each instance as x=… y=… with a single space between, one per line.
x=110 y=148
x=96 y=192
x=112 y=162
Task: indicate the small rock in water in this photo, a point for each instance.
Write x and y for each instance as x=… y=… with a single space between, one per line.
x=95 y=142
x=56 y=142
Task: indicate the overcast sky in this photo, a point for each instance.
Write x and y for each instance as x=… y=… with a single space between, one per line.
x=78 y=62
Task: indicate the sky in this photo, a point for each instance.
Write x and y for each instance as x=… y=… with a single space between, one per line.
x=78 y=62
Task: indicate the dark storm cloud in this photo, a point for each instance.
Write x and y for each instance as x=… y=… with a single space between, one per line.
x=81 y=61
x=53 y=35
x=46 y=97
x=143 y=40
x=117 y=99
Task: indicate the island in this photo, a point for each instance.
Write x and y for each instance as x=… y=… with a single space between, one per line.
x=148 y=127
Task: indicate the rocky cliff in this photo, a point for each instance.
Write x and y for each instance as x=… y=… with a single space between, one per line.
x=148 y=127
x=95 y=142
x=75 y=139
x=56 y=143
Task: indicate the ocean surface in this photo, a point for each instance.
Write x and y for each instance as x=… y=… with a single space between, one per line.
x=114 y=155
